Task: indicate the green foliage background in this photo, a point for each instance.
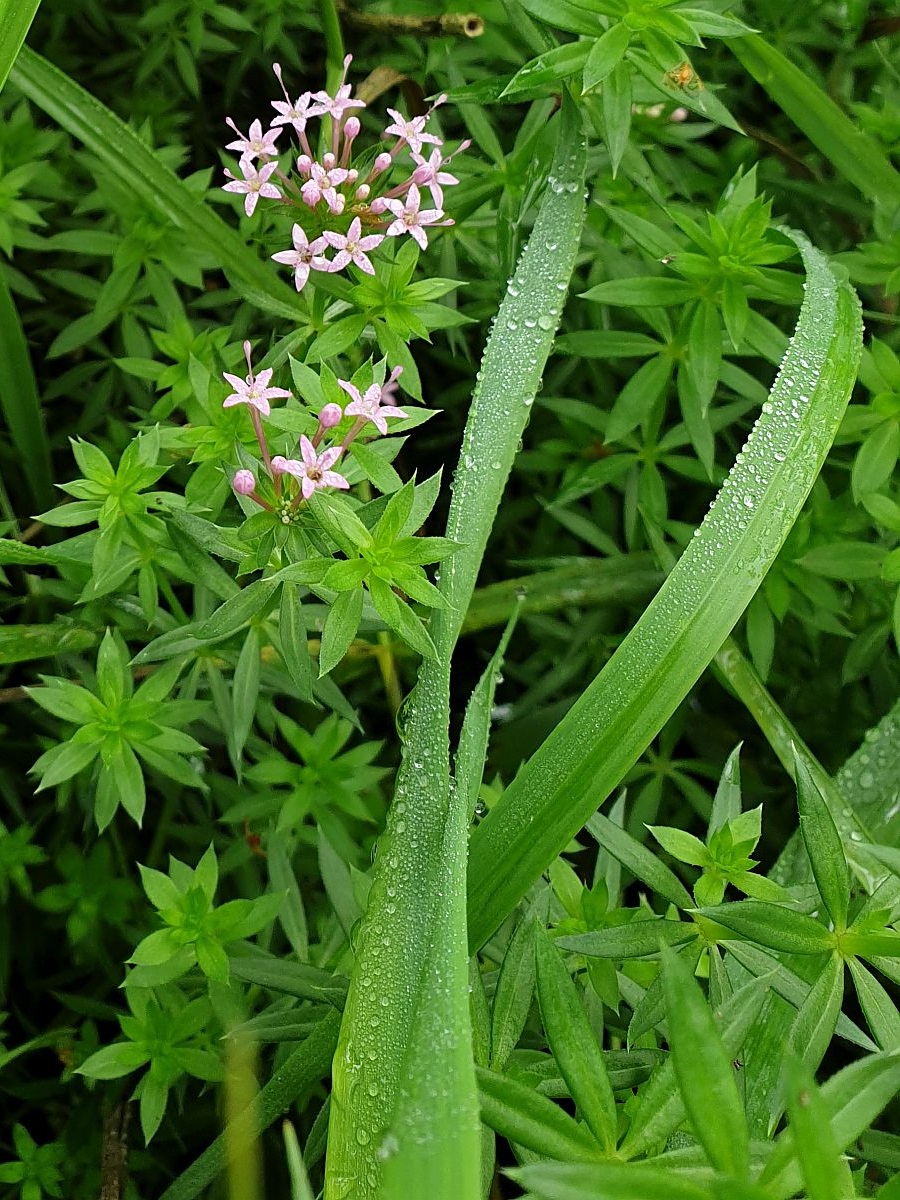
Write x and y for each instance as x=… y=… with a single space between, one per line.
x=683 y=963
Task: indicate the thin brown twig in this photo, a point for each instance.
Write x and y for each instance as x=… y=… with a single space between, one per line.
x=469 y=25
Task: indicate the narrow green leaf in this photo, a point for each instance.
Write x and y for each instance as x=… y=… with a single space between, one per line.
x=15 y=21
x=574 y=1045
x=853 y=1099
x=773 y=925
x=813 y=1139
x=340 y=629
x=140 y=172
x=25 y=643
x=649 y=292
x=19 y=400
x=524 y=1116
x=659 y=1109
x=614 y=720
x=823 y=845
x=249 y=602
x=705 y=1073
x=515 y=985
x=606 y=54
x=605 y=1181
x=201 y=567
x=815 y=1022
x=244 y=695
x=471 y=752
x=792 y=988
x=642 y=863
x=292 y=641
x=880 y=1010
x=637 y=939
x=849 y=149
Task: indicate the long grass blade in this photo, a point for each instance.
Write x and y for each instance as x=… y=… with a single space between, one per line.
x=850 y=150
x=411 y=966
x=15 y=21
x=588 y=753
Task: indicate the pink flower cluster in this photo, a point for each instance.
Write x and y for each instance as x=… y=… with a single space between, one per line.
x=345 y=208
x=314 y=468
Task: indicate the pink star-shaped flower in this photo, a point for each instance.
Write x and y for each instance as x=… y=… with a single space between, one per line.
x=313 y=470
x=428 y=174
x=255 y=145
x=334 y=106
x=254 y=184
x=254 y=390
x=411 y=131
x=369 y=406
x=409 y=218
x=352 y=247
x=322 y=185
x=294 y=113
x=306 y=256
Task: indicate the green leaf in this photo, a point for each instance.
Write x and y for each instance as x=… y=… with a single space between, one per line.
x=546 y=71
x=773 y=926
x=340 y=629
x=112 y=1062
x=244 y=695
x=659 y=1109
x=814 y=1025
x=681 y=845
x=652 y=670
x=823 y=845
x=605 y=1181
x=880 y=1010
x=142 y=174
x=201 y=567
x=471 y=752
x=19 y=400
x=642 y=862
x=850 y=151
x=574 y=1045
x=637 y=939
x=293 y=643
x=812 y=1135
x=515 y=985
x=791 y=988
x=250 y=602
x=706 y=1077
x=705 y=352
x=606 y=54
x=647 y=293
x=531 y=1120
x=292 y=914
x=400 y=617
x=15 y=20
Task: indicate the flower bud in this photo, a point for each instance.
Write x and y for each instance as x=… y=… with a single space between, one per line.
x=330 y=416
x=382 y=162
x=244 y=483
x=328 y=161
x=304 y=164
x=377 y=206
x=421 y=175
x=362 y=192
x=351 y=128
